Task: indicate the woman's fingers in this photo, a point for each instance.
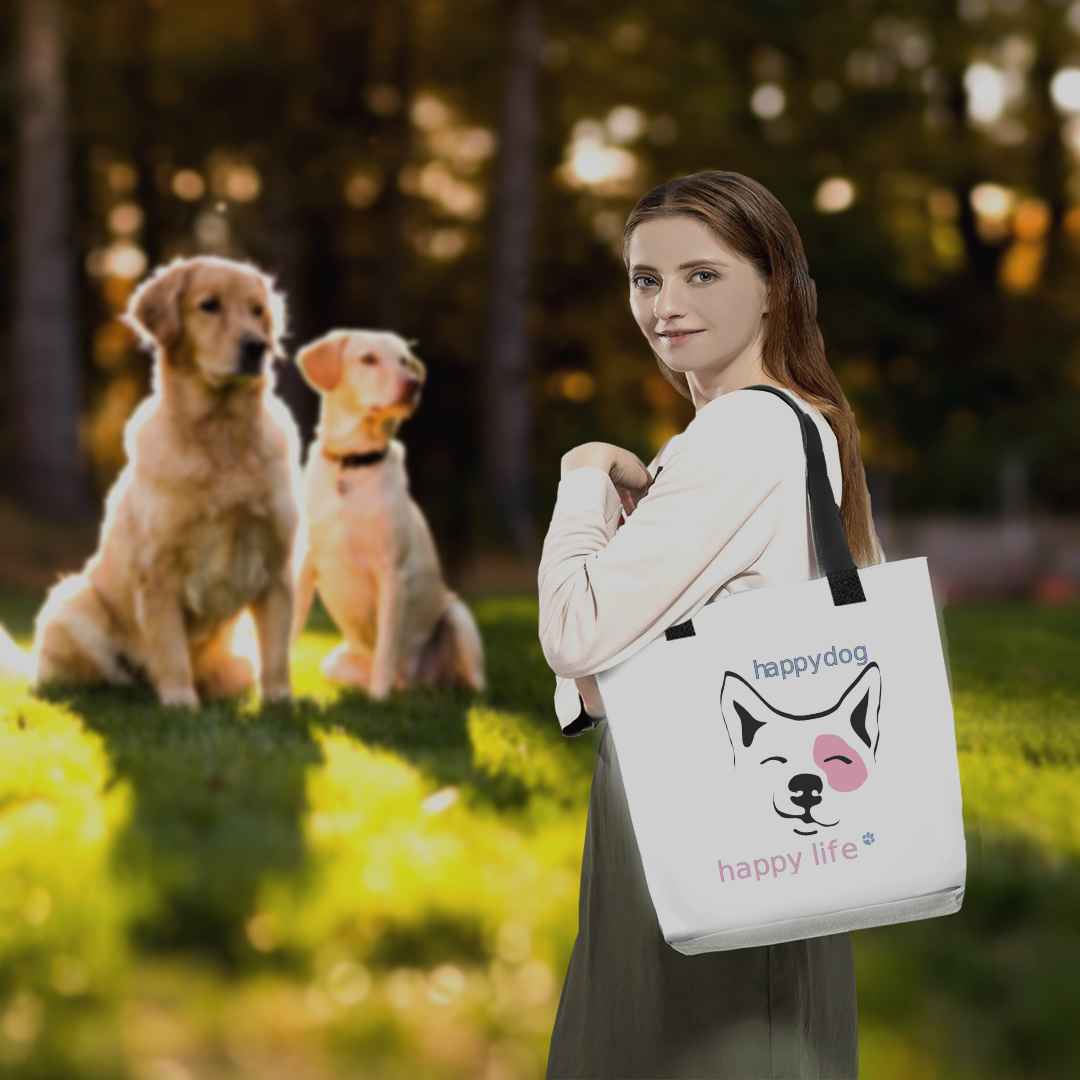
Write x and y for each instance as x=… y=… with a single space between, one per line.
x=630 y=498
x=629 y=471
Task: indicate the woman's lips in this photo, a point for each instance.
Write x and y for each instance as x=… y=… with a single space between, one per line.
x=673 y=338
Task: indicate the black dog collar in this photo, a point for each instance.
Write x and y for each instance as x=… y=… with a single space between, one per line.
x=351 y=461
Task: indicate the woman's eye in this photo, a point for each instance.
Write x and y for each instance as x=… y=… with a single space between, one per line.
x=257 y=310
x=211 y=303
x=369 y=358
x=637 y=277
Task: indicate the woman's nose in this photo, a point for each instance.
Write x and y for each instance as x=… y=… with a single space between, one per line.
x=666 y=304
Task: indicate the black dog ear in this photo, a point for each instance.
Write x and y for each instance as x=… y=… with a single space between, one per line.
x=750 y=725
x=737 y=699
x=862 y=701
x=153 y=310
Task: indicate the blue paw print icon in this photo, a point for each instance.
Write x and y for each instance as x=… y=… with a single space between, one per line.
x=868 y=838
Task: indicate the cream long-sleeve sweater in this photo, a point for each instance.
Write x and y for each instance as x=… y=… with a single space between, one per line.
x=727 y=513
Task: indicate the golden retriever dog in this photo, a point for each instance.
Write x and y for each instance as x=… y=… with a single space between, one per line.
x=365 y=544
x=200 y=524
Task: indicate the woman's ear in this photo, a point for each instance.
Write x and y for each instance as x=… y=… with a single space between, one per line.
x=153 y=309
x=322 y=362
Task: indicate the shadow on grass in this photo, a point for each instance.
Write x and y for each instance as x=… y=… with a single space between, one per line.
x=219 y=795
x=429 y=727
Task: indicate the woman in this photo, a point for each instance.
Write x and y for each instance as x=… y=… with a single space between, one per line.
x=720 y=288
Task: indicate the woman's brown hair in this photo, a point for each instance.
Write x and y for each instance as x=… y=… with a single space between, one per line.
x=752 y=222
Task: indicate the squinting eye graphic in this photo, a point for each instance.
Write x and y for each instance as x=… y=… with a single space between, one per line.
x=840 y=762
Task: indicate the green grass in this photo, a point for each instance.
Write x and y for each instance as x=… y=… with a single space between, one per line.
x=347 y=888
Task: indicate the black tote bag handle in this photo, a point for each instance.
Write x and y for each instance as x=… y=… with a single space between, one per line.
x=833 y=554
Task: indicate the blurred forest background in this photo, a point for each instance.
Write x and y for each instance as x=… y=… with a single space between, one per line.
x=460 y=172
x=390 y=890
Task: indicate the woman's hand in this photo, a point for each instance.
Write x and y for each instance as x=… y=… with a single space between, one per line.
x=590 y=696
x=628 y=472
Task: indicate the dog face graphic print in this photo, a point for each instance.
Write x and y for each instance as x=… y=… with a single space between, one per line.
x=809 y=770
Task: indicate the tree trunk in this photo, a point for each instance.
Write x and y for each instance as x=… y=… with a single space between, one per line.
x=508 y=409
x=145 y=125
x=391 y=62
x=46 y=370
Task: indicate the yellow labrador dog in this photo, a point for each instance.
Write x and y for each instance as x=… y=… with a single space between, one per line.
x=200 y=524
x=366 y=545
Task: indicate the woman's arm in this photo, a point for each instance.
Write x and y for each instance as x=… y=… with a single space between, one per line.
x=603 y=595
x=578 y=704
x=590 y=696
x=573 y=717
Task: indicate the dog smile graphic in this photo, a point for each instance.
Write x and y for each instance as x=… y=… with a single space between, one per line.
x=811 y=766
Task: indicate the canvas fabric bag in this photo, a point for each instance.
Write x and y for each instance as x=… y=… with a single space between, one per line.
x=771 y=802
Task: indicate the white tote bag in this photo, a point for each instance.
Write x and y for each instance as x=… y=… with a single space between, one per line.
x=788 y=754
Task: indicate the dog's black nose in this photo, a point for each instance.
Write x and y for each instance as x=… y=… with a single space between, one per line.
x=805 y=789
x=252 y=353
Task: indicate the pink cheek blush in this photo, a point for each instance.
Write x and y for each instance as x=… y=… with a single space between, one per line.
x=841 y=775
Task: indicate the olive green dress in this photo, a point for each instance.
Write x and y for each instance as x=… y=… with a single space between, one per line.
x=632 y=1006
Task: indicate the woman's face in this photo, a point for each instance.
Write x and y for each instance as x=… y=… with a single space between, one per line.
x=682 y=278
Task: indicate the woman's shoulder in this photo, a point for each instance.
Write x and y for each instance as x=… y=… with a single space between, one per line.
x=745 y=418
x=749 y=425
x=664 y=454
x=747 y=411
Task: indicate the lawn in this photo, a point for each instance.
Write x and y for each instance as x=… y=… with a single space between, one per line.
x=343 y=888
